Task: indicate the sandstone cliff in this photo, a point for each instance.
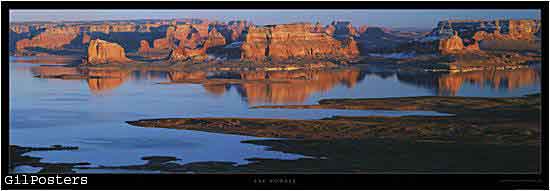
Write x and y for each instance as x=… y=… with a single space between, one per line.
x=455 y=45
x=103 y=52
x=52 y=38
x=451 y=45
x=182 y=53
x=215 y=38
x=293 y=41
x=144 y=46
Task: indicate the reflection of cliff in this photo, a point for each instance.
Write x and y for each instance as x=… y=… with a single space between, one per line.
x=217 y=90
x=296 y=91
x=497 y=79
x=106 y=80
x=178 y=75
x=450 y=84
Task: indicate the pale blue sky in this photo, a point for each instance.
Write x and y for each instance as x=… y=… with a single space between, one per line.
x=387 y=18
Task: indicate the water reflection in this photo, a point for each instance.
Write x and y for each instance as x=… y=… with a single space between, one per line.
x=449 y=84
x=106 y=80
x=300 y=87
x=285 y=87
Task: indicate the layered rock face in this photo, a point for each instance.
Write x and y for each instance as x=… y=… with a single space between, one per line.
x=163 y=43
x=103 y=52
x=188 y=35
x=144 y=46
x=183 y=53
x=109 y=28
x=489 y=29
x=511 y=30
x=52 y=38
x=454 y=45
x=293 y=41
x=215 y=38
x=451 y=45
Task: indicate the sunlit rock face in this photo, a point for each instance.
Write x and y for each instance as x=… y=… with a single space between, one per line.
x=486 y=30
x=109 y=28
x=144 y=46
x=162 y=43
x=103 y=52
x=183 y=53
x=451 y=45
x=513 y=34
x=288 y=41
x=51 y=38
x=148 y=27
x=215 y=38
x=300 y=87
x=510 y=30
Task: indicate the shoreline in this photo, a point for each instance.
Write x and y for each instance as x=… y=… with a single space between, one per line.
x=483 y=120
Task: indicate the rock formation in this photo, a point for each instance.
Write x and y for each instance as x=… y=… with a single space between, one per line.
x=215 y=38
x=86 y=38
x=162 y=43
x=293 y=41
x=103 y=52
x=363 y=29
x=234 y=30
x=52 y=38
x=451 y=45
x=144 y=46
x=182 y=53
x=343 y=28
x=455 y=45
x=523 y=29
x=109 y=28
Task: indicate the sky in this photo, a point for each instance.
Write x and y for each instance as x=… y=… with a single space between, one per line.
x=386 y=18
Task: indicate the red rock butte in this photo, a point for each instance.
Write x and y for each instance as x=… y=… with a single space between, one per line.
x=103 y=52
x=287 y=41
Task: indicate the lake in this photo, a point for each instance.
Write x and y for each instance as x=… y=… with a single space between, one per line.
x=92 y=113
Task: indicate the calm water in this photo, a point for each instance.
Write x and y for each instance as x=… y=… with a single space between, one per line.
x=91 y=113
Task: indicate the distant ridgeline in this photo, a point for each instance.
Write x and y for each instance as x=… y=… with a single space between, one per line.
x=467 y=29
x=186 y=39
x=201 y=40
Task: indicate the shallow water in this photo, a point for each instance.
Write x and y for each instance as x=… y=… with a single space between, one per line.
x=91 y=113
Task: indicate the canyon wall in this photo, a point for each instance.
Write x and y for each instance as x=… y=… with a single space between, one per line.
x=294 y=41
x=513 y=33
x=51 y=38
